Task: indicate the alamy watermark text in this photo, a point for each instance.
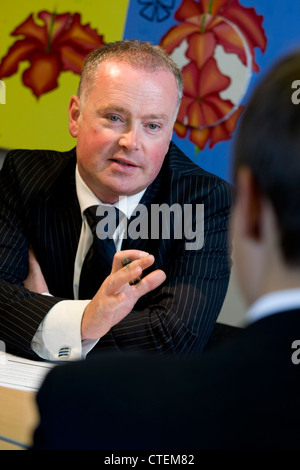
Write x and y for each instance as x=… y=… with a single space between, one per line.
x=160 y=221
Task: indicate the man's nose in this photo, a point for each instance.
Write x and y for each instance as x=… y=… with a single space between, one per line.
x=131 y=138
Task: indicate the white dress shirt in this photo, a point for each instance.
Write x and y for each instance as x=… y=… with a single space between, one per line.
x=275 y=302
x=59 y=335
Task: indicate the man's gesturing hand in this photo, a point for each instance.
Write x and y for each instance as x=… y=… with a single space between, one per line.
x=116 y=296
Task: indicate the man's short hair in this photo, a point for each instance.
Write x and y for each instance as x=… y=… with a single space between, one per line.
x=142 y=55
x=268 y=142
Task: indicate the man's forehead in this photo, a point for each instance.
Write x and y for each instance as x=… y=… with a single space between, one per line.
x=114 y=68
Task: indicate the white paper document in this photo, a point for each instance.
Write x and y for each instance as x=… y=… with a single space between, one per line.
x=22 y=374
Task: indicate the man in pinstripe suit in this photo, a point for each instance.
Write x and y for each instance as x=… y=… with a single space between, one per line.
x=244 y=393
x=123 y=119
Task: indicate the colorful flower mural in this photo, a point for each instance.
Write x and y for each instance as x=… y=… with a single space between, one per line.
x=56 y=43
x=208 y=34
x=205 y=28
x=159 y=10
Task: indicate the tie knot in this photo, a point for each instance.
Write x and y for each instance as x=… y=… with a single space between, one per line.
x=103 y=220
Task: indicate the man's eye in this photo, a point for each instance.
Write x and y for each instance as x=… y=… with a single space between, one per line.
x=113 y=118
x=153 y=127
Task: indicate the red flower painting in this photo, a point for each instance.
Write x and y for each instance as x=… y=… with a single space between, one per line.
x=52 y=43
x=205 y=116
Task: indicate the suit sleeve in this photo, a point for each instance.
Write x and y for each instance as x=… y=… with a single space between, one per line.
x=178 y=318
x=21 y=311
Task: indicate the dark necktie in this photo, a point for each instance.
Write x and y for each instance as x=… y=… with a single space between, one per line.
x=98 y=261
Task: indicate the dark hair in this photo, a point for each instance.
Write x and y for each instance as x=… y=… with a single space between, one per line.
x=139 y=54
x=268 y=142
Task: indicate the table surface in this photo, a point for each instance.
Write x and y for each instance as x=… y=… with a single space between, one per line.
x=18 y=418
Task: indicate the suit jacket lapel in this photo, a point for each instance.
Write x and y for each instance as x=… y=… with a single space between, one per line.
x=57 y=231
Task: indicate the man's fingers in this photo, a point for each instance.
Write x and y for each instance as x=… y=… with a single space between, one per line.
x=150 y=282
x=132 y=274
x=128 y=274
x=35 y=280
x=131 y=255
x=116 y=296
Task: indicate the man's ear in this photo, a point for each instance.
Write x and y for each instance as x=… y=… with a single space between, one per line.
x=249 y=198
x=74 y=113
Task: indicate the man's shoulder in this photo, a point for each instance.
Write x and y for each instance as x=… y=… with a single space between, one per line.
x=21 y=159
x=182 y=170
x=181 y=164
x=38 y=172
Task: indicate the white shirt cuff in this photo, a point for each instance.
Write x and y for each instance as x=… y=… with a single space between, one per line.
x=58 y=337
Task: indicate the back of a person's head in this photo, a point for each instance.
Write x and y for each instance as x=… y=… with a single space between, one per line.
x=268 y=142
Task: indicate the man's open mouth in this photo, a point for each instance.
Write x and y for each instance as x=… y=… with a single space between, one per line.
x=123 y=162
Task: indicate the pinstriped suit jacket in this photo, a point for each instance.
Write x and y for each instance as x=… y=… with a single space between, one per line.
x=39 y=206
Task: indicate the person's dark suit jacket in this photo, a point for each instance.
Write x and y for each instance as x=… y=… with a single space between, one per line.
x=39 y=206
x=242 y=394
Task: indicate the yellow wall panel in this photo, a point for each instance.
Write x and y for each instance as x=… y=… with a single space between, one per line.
x=30 y=122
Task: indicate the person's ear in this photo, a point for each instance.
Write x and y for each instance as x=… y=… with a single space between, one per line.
x=74 y=114
x=249 y=198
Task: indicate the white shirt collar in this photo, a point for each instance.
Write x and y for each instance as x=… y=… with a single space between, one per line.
x=87 y=198
x=275 y=302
